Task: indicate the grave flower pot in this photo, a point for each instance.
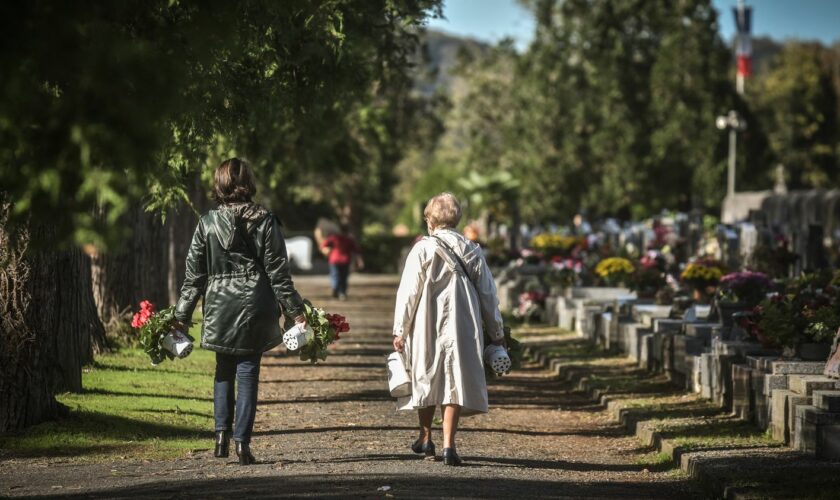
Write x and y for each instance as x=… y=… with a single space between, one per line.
x=813 y=351
x=728 y=309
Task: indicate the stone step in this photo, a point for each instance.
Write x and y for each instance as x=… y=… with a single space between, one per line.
x=827 y=400
x=816 y=432
x=807 y=384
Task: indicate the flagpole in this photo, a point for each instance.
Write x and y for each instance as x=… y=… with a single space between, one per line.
x=739 y=75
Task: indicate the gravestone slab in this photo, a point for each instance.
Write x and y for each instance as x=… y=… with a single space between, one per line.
x=797 y=367
x=604 y=293
x=646 y=345
x=646 y=313
x=722 y=393
x=773 y=382
x=701 y=331
x=761 y=415
x=743 y=403
x=807 y=384
x=707 y=379
x=666 y=324
x=761 y=362
x=780 y=410
x=827 y=400
x=632 y=337
x=828 y=442
x=811 y=422
x=565 y=313
x=697 y=374
x=604 y=323
x=686 y=347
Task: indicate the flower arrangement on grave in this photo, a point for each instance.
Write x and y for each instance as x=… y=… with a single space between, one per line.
x=745 y=287
x=701 y=275
x=808 y=311
x=564 y=272
x=531 y=305
x=556 y=244
x=774 y=258
x=646 y=280
x=615 y=270
x=529 y=256
x=322 y=330
x=159 y=336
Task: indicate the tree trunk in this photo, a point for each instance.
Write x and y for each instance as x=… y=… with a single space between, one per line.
x=180 y=226
x=137 y=270
x=47 y=322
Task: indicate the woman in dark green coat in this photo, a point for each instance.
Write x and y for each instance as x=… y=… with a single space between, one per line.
x=237 y=263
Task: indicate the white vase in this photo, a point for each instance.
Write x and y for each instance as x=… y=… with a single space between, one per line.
x=177 y=343
x=496 y=357
x=295 y=337
x=398 y=382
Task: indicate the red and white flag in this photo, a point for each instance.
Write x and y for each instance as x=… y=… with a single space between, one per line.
x=743 y=41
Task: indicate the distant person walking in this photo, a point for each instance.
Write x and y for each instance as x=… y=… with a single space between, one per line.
x=341 y=251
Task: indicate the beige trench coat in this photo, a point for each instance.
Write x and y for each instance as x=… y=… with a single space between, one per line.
x=440 y=314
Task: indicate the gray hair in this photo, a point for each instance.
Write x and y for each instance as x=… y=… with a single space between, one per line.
x=443 y=210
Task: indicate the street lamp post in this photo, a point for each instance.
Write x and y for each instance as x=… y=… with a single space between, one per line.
x=735 y=123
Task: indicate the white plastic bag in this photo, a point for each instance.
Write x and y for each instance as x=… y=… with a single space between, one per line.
x=398 y=382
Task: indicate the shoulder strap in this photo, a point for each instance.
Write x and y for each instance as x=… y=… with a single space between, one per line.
x=457 y=258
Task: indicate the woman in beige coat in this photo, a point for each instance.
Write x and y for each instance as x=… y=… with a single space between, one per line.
x=445 y=296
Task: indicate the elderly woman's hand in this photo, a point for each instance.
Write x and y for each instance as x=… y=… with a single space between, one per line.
x=399 y=344
x=500 y=342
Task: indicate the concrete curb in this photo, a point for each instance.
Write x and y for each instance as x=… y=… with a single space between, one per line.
x=695 y=464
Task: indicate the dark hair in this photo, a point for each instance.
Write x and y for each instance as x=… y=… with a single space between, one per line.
x=234 y=182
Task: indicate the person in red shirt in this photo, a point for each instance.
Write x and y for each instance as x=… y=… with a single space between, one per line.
x=341 y=250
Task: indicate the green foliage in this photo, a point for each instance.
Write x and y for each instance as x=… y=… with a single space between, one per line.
x=104 y=105
x=808 y=311
x=797 y=102
x=383 y=252
x=320 y=333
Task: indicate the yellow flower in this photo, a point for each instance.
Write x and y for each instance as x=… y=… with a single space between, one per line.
x=613 y=266
x=700 y=272
x=547 y=242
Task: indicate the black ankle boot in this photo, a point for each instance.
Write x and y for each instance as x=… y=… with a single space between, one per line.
x=222 y=444
x=421 y=448
x=450 y=457
x=243 y=451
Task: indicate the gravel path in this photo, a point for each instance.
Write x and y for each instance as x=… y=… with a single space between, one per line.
x=331 y=430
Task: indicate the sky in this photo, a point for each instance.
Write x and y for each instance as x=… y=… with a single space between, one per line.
x=492 y=20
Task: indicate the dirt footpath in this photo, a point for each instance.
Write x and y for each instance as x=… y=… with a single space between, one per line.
x=331 y=430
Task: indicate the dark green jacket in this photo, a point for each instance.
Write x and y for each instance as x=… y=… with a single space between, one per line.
x=245 y=286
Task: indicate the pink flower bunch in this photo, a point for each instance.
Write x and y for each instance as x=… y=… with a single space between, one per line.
x=147 y=309
x=561 y=263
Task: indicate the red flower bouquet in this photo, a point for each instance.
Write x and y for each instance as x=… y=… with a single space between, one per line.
x=322 y=329
x=159 y=337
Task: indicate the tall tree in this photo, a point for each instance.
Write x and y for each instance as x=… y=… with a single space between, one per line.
x=184 y=84
x=798 y=103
